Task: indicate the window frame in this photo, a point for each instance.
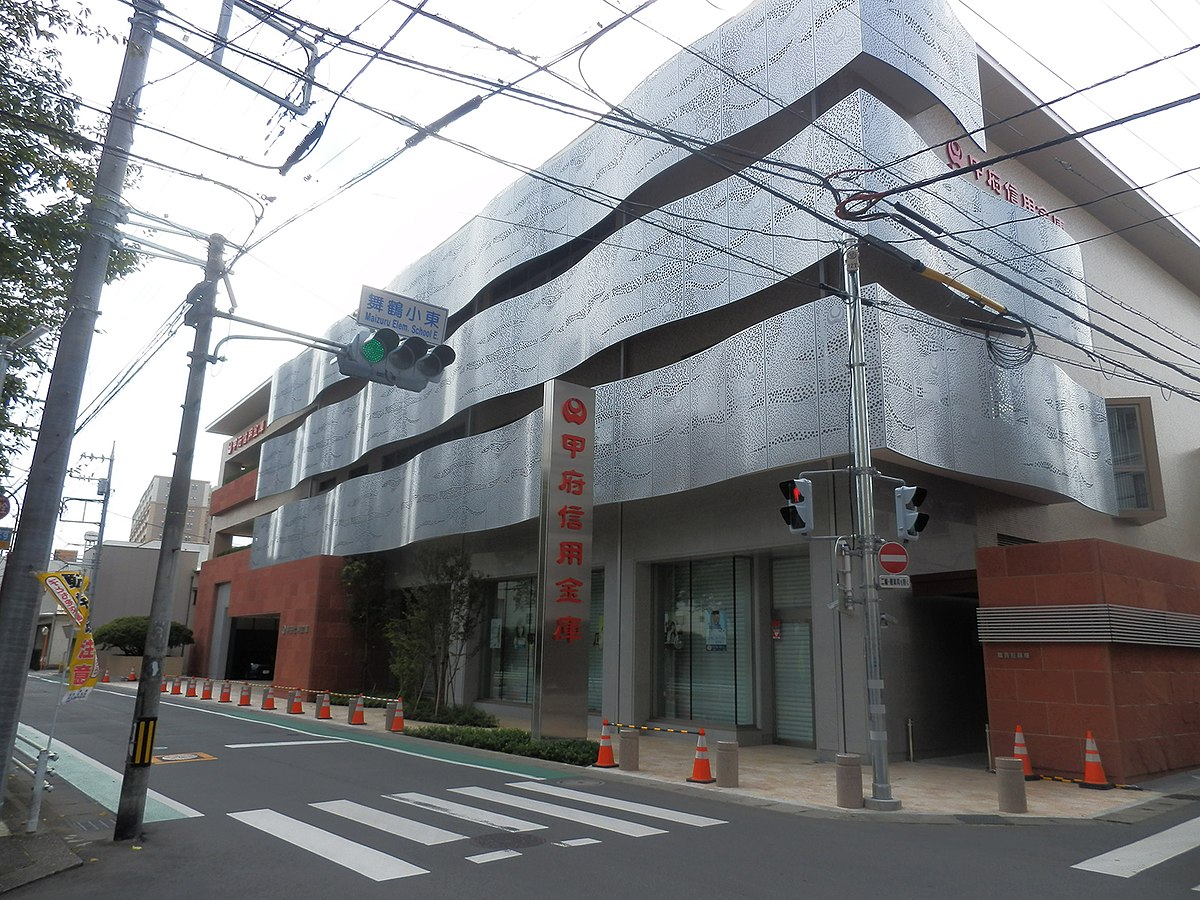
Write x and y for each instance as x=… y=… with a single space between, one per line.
x=1151 y=466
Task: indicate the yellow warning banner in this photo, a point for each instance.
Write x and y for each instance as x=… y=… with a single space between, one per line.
x=83 y=670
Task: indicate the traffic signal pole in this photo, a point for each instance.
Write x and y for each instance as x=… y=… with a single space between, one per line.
x=20 y=593
x=132 y=804
x=866 y=541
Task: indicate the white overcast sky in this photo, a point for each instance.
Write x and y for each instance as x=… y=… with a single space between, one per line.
x=310 y=273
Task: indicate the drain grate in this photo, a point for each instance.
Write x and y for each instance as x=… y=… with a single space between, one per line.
x=982 y=820
x=579 y=782
x=507 y=841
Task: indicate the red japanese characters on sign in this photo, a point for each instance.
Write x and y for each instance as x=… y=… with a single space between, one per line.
x=246 y=437
x=568 y=456
x=959 y=158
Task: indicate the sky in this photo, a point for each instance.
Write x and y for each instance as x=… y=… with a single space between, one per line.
x=309 y=273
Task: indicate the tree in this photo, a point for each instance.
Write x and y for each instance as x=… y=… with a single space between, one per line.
x=128 y=634
x=47 y=171
x=369 y=606
x=437 y=626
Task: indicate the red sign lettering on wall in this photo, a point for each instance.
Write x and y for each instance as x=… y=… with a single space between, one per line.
x=957 y=158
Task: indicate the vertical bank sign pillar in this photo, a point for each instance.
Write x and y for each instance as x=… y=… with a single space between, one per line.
x=565 y=556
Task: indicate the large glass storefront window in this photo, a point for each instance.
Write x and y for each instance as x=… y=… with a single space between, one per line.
x=703 y=652
x=510 y=637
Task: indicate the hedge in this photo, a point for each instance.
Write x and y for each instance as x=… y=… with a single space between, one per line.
x=514 y=741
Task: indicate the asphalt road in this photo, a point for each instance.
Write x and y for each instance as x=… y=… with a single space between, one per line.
x=309 y=810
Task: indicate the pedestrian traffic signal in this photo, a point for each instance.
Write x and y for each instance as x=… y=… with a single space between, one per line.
x=409 y=363
x=798 y=514
x=910 y=522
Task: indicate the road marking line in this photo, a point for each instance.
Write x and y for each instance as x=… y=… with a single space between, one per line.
x=283 y=744
x=493 y=856
x=364 y=860
x=103 y=784
x=576 y=842
x=653 y=812
x=428 y=835
x=607 y=823
x=468 y=813
x=1127 y=861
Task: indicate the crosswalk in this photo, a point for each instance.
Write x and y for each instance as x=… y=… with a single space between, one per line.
x=1139 y=856
x=554 y=802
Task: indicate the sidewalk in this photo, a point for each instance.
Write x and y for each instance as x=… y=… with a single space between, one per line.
x=786 y=778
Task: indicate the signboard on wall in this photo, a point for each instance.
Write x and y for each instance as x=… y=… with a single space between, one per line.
x=565 y=562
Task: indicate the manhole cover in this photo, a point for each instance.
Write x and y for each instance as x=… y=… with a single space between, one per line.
x=507 y=841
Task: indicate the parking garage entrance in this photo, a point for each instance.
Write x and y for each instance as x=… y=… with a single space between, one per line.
x=252 y=644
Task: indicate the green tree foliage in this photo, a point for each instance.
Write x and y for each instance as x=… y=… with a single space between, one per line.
x=47 y=170
x=436 y=628
x=128 y=634
x=369 y=607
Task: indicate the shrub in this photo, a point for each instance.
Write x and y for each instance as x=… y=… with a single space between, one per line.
x=513 y=741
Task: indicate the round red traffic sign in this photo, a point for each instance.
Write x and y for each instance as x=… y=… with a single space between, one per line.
x=893 y=558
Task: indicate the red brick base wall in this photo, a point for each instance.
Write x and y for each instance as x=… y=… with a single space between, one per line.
x=316 y=648
x=1141 y=702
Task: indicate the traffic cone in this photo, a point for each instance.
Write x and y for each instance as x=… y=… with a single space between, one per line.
x=604 y=759
x=165 y=686
x=105 y=679
x=295 y=704
x=701 y=773
x=268 y=698
x=244 y=699
x=354 y=715
x=1021 y=752
x=397 y=722
x=206 y=693
x=177 y=686
x=323 y=707
x=132 y=674
x=224 y=698
x=191 y=691
x=1093 y=770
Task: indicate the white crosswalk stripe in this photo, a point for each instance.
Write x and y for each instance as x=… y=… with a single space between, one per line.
x=397 y=825
x=1127 y=861
x=608 y=823
x=380 y=866
x=641 y=809
x=467 y=813
x=364 y=860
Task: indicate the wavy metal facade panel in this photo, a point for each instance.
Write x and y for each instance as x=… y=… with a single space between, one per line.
x=773 y=395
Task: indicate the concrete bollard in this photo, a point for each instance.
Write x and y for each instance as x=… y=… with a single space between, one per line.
x=727 y=763
x=630 y=756
x=849 y=781
x=1010 y=784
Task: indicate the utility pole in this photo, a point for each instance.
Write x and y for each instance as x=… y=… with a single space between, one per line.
x=20 y=593
x=132 y=804
x=866 y=541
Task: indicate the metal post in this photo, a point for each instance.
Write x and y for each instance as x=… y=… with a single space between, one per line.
x=132 y=804
x=20 y=593
x=865 y=539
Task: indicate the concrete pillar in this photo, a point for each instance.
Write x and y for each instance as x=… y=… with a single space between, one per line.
x=849 y=781
x=727 y=764
x=1010 y=784
x=628 y=749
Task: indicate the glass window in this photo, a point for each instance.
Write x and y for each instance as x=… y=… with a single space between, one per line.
x=1129 y=457
x=703 y=654
x=596 y=650
x=508 y=660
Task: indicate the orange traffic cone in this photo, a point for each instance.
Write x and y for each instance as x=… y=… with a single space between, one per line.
x=604 y=759
x=206 y=693
x=165 y=686
x=354 y=715
x=1093 y=770
x=1021 y=752
x=132 y=676
x=105 y=679
x=244 y=698
x=323 y=707
x=701 y=773
x=177 y=686
x=295 y=704
x=224 y=698
x=397 y=722
x=268 y=698
x=191 y=691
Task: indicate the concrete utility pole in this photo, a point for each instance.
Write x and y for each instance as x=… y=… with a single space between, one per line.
x=865 y=540
x=20 y=593
x=132 y=805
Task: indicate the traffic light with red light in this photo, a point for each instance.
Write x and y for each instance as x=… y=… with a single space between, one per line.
x=798 y=514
